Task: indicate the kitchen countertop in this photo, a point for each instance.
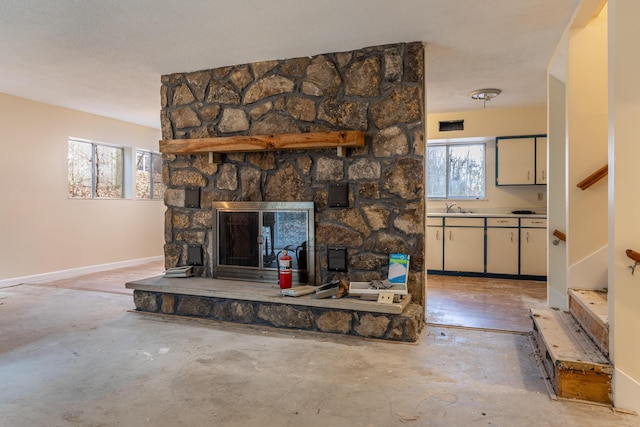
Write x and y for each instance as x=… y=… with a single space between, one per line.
x=485 y=215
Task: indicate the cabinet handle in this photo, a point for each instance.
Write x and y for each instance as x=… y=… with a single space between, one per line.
x=543 y=178
x=528 y=175
x=512 y=237
x=450 y=235
x=437 y=234
x=502 y=221
x=527 y=237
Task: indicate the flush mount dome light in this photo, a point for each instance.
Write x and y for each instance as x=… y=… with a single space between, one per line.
x=485 y=95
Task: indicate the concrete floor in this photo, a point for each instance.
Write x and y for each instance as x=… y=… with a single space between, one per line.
x=80 y=357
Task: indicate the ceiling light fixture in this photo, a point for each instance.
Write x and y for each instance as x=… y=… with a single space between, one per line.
x=485 y=95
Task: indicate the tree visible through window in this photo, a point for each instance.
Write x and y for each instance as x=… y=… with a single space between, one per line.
x=149 y=184
x=94 y=170
x=456 y=171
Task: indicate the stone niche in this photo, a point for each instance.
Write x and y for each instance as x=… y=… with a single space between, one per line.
x=378 y=90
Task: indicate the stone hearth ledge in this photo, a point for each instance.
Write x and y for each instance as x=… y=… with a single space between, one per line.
x=257 y=292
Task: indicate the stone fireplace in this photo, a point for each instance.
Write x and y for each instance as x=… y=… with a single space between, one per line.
x=378 y=90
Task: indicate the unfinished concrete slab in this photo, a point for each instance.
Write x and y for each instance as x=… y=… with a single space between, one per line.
x=75 y=357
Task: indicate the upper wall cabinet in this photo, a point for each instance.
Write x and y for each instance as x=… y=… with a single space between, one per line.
x=521 y=160
x=541 y=160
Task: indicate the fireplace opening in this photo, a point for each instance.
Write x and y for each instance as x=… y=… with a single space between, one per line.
x=248 y=239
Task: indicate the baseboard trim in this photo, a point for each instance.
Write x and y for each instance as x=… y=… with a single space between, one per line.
x=65 y=274
x=625 y=392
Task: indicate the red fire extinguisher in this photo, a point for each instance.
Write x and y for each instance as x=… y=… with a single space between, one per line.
x=284 y=272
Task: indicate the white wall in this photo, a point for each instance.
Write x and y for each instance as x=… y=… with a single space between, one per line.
x=41 y=229
x=486 y=124
x=624 y=208
x=587 y=139
x=491 y=122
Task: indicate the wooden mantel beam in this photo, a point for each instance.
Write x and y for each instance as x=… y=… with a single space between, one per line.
x=295 y=141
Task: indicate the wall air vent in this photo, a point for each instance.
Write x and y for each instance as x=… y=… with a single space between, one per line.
x=451 y=125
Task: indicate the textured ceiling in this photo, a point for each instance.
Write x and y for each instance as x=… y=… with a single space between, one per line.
x=106 y=57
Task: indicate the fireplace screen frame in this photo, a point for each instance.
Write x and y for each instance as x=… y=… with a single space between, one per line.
x=262 y=272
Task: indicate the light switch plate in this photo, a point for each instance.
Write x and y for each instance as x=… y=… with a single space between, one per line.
x=385 y=297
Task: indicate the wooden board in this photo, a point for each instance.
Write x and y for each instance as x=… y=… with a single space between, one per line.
x=566 y=340
x=588 y=386
x=590 y=308
x=297 y=141
x=576 y=367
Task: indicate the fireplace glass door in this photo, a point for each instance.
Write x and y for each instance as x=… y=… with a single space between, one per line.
x=238 y=233
x=250 y=238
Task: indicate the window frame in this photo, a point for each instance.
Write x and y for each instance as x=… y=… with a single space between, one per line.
x=152 y=190
x=447 y=145
x=94 y=191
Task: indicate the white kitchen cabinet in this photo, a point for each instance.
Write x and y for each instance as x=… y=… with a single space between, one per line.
x=533 y=247
x=521 y=160
x=464 y=244
x=435 y=243
x=502 y=245
x=541 y=160
x=515 y=161
x=509 y=245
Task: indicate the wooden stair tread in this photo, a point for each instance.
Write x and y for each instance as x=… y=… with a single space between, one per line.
x=594 y=301
x=568 y=345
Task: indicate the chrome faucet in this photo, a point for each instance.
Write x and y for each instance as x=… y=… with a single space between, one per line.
x=449 y=207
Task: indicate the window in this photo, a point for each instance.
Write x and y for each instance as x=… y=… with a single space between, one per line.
x=456 y=171
x=149 y=184
x=95 y=170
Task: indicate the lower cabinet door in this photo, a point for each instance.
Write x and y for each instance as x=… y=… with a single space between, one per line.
x=502 y=250
x=464 y=249
x=533 y=251
x=435 y=248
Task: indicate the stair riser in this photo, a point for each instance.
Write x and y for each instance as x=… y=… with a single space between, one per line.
x=589 y=386
x=592 y=325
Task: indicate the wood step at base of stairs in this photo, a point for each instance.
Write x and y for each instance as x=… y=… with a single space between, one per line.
x=591 y=310
x=576 y=367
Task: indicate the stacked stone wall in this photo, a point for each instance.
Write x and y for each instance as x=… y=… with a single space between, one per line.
x=406 y=326
x=378 y=90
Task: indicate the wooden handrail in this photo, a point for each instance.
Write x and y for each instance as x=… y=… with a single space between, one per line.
x=633 y=255
x=560 y=235
x=594 y=177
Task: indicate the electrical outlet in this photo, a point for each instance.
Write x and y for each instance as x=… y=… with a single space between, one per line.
x=540 y=197
x=385 y=297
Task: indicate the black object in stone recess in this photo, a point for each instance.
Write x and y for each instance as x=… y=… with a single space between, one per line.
x=336 y=259
x=338 y=195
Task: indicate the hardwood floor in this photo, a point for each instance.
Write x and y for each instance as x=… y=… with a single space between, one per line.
x=486 y=303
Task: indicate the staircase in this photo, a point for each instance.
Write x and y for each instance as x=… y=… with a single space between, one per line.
x=574 y=346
